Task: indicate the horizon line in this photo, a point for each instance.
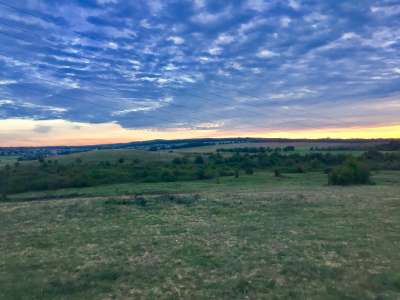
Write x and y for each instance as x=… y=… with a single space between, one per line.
x=266 y=139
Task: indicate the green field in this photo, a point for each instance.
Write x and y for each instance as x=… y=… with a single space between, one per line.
x=115 y=155
x=252 y=237
x=4 y=160
x=300 y=147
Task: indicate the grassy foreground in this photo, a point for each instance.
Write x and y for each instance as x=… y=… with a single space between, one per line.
x=281 y=239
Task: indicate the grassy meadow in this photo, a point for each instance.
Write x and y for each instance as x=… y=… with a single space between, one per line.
x=255 y=237
x=252 y=236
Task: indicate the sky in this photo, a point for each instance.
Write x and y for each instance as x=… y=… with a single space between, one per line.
x=101 y=71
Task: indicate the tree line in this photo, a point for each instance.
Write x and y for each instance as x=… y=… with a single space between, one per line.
x=49 y=174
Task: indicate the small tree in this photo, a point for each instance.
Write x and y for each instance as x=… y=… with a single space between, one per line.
x=249 y=171
x=199 y=160
x=352 y=172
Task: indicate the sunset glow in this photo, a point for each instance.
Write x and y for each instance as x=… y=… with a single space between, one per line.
x=26 y=132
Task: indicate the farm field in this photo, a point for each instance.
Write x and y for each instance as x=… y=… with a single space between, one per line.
x=300 y=147
x=4 y=160
x=252 y=237
x=115 y=155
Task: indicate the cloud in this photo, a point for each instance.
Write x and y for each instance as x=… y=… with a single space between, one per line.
x=294 y=4
x=258 y=5
x=224 y=39
x=112 y=45
x=388 y=10
x=108 y=61
x=177 y=40
x=215 y=50
x=265 y=53
x=285 y=21
x=6 y=102
x=105 y=2
x=206 y=18
x=155 y=6
x=7 y=82
x=142 y=105
x=42 y=129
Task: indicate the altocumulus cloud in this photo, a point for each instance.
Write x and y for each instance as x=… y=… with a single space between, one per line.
x=238 y=65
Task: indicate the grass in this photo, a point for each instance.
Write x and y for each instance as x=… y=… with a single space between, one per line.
x=301 y=147
x=114 y=155
x=244 y=183
x=4 y=160
x=256 y=237
x=260 y=180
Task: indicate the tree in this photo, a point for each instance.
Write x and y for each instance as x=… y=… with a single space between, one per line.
x=199 y=160
x=351 y=172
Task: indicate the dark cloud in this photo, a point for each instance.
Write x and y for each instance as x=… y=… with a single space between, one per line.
x=42 y=129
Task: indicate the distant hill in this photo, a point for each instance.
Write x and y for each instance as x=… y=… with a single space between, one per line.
x=27 y=153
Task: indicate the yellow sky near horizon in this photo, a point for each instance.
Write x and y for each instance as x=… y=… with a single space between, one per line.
x=28 y=132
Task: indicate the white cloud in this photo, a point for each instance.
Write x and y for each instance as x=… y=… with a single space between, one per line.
x=224 y=39
x=215 y=50
x=29 y=105
x=71 y=59
x=285 y=21
x=207 y=18
x=112 y=45
x=6 y=102
x=294 y=4
x=145 y=24
x=315 y=17
x=199 y=3
x=155 y=6
x=142 y=105
x=186 y=78
x=258 y=5
x=235 y=65
x=103 y=2
x=177 y=40
x=389 y=10
x=266 y=54
x=171 y=67
x=297 y=94
x=252 y=24
x=349 y=36
x=7 y=82
x=136 y=65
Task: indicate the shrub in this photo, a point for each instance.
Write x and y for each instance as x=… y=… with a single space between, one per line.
x=3 y=197
x=249 y=171
x=199 y=160
x=177 y=161
x=351 y=172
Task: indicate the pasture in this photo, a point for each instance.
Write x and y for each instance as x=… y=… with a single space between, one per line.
x=253 y=237
x=241 y=235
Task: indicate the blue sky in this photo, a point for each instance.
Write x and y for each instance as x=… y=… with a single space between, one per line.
x=246 y=65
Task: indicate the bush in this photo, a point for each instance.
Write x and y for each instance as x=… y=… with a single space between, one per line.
x=350 y=173
x=249 y=171
x=199 y=160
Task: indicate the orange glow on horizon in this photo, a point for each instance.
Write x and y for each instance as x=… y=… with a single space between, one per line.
x=26 y=132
